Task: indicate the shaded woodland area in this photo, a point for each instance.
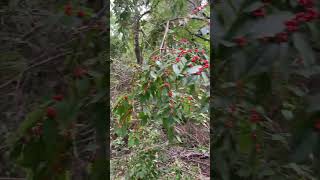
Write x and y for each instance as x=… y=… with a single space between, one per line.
x=193 y=88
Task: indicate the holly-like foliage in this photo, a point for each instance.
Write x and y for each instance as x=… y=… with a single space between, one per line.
x=266 y=102
x=172 y=88
x=45 y=144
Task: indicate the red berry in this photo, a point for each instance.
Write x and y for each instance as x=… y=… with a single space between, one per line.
x=317 y=125
x=183 y=41
x=291 y=25
x=306 y=3
x=300 y=61
x=166 y=85
x=58 y=97
x=68 y=10
x=195 y=58
x=254 y=116
x=239 y=84
x=311 y=14
x=37 y=130
x=300 y=17
x=51 y=112
x=282 y=37
x=170 y=94
x=79 y=72
x=232 y=108
x=81 y=14
x=264 y=39
x=177 y=59
x=261 y=12
x=229 y=124
x=258 y=148
x=126 y=97
x=254 y=135
x=241 y=41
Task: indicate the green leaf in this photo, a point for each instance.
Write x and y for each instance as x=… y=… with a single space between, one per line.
x=50 y=137
x=253 y=6
x=227 y=43
x=32 y=154
x=131 y=140
x=176 y=69
x=266 y=172
x=245 y=143
x=194 y=69
x=305 y=148
x=98 y=96
x=29 y=122
x=287 y=114
x=179 y=139
x=83 y=86
x=313 y=103
x=223 y=167
x=265 y=60
x=270 y=25
x=304 y=48
x=297 y=91
x=153 y=75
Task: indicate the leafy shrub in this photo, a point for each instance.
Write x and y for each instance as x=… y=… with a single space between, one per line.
x=144 y=165
x=265 y=115
x=168 y=90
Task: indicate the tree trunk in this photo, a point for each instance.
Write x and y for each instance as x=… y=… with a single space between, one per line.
x=136 y=31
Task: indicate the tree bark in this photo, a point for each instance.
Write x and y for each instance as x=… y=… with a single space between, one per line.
x=136 y=31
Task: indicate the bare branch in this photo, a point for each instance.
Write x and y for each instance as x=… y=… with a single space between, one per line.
x=145 y=13
x=205 y=39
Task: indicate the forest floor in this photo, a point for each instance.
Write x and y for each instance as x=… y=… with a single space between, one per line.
x=188 y=158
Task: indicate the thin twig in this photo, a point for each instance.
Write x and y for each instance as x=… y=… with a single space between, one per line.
x=197 y=35
x=165 y=35
x=34 y=65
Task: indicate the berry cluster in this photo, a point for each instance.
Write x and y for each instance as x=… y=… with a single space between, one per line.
x=37 y=129
x=200 y=8
x=68 y=10
x=51 y=112
x=317 y=125
x=254 y=116
x=232 y=108
x=241 y=41
x=195 y=58
x=307 y=15
x=260 y=12
x=306 y=3
x=79 y=72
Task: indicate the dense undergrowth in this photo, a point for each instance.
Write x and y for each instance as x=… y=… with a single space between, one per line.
x=160 y=126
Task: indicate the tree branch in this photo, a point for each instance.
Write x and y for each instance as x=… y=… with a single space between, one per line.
x=205 y=39
x=145 y=13
x=165 y=35
x=34 y=65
